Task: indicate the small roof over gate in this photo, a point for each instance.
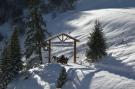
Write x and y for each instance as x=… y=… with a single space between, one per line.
x=62 y=34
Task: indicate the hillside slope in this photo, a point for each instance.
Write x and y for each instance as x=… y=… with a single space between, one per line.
x=118 y=25
x=117 y=70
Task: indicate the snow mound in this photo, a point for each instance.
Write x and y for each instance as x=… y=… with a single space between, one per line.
x=43 y=77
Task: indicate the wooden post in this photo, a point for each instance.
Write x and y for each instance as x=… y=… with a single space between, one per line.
x=49 y=60
x=74 y=51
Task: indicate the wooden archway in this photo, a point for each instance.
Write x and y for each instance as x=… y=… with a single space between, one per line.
x=62 y=39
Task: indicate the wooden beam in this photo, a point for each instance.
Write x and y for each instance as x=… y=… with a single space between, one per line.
x=62 y=43
x=75 y=52
x=49 y=60
x=62 y=37
x=59 y=38
x=70 y=37
x=66 y=38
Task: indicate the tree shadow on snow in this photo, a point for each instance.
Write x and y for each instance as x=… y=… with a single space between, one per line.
x=116 y=66
x=77 y=82
x=85 y=83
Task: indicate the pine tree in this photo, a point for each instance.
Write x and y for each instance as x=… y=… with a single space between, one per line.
x=15 y=51
x=62 y=78
x=6 y=68
x=35 y=32
x=96 y=44
x=11 y=62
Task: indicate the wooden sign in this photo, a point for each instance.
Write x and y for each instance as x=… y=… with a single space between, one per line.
x=60 y=44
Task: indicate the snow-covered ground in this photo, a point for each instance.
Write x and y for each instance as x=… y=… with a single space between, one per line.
x=117 y=70
x=81 y=77
x=43 y=77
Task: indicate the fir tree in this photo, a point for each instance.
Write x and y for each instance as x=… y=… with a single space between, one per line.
x=62 y=78
x=7 y=73
x=35 y=32
x=11 y=62
x=96 y=44
x=15 y=51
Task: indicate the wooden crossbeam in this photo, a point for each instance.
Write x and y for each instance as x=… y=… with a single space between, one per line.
x=51 y=38
x=59 y=38
x=66 y=38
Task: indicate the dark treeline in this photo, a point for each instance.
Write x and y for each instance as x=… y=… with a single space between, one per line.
x=13 y=9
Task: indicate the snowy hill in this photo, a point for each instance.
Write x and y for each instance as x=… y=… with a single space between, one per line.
x=119 y=32
x=117 y=70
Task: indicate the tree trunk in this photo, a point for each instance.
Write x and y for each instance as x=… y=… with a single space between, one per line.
x=40 y=55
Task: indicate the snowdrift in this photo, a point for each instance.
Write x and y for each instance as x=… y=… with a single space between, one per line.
x=43 y=77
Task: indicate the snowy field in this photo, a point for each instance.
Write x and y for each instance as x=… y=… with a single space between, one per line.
x=116 y=71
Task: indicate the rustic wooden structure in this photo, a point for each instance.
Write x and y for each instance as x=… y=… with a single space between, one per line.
x=62 y=38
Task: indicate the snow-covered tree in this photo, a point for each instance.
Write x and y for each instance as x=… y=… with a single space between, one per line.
x=35 y=32
x=96 y=44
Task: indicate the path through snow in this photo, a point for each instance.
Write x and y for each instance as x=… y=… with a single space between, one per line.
x=98 y=77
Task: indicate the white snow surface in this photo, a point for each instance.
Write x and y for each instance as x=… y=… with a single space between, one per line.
x=116 y=71
x=81 y=77
x=43 y=77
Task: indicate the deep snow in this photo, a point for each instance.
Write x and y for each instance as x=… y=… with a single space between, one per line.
x=117 y=70
x=81 y=77
x=42 y=77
